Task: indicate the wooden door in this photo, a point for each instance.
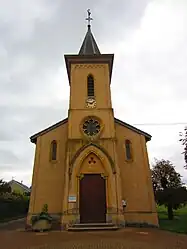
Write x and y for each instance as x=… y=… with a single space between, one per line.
x=92 y=199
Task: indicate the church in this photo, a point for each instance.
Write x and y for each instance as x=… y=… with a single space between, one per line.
x=92 y=167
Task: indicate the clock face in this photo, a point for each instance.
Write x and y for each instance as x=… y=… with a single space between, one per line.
x=91 y=127
x=91 y=103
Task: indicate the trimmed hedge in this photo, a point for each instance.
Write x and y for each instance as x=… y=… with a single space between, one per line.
x=13 y=206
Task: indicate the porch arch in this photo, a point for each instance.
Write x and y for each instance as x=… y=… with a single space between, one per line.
x=99 y=151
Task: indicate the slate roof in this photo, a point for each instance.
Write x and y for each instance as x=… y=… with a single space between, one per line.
x=118 y=121
x=89 y=45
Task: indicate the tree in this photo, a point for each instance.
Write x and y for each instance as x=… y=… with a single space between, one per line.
x=183 y=140
x=164 y=175
x=4 y=187
x=172 y=198
x=168 y=187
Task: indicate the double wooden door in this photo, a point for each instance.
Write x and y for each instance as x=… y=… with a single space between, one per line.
x=92 y=199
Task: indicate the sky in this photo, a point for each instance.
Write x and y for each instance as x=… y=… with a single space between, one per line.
x=148 y=39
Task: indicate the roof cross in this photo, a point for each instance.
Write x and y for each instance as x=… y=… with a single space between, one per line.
x=89 y=18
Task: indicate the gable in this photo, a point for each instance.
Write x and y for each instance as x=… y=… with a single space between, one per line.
x=64 y=121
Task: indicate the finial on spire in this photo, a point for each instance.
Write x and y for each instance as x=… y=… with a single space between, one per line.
x=89 y=18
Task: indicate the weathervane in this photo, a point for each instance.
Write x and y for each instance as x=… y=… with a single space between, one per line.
x=89 y=18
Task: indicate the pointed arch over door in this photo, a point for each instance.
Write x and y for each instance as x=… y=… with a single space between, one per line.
x=98 y=150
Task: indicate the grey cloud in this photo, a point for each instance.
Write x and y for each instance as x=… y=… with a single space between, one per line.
x=29 y=61
x=34 y=38
x=7 y=156
x=19 y=123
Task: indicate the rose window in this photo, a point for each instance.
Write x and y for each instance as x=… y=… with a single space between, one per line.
x=91 y=127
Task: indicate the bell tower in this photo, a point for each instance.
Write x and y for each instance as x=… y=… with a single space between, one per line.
x=89 y=75
x=91 y=126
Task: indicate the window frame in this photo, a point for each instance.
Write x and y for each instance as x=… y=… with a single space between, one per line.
x=129 y=143
x=90 y=86
x=54 y=142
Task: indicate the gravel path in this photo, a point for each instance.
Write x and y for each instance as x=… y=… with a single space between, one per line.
x=12 y=236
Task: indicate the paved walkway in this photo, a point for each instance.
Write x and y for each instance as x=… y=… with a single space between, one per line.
x=13 y=225
x=128 y=238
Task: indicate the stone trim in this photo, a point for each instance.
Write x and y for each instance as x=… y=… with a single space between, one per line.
x=79 y=66
x=108 y=212
x=88 y=59
x=98 y=147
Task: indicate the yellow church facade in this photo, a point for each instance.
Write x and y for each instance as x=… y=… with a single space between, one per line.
x=92 y=167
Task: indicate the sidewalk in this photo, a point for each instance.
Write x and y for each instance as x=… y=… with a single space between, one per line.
x=13 y=224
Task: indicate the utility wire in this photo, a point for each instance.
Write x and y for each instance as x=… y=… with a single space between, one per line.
x=163 y=124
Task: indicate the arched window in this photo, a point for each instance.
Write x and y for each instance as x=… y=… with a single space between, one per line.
x=128 y=149
x=90 y=86
x=53 y=151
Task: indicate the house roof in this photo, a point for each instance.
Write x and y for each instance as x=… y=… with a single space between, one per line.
x=89 y=45
x=118 y=121
x=34 y=137
x=21 y=185
x=145 y=134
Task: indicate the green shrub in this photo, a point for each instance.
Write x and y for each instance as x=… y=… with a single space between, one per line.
x=44 y=215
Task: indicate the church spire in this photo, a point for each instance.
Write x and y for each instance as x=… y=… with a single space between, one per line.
x=89 y=45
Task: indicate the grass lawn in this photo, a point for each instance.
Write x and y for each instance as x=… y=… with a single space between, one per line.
x=178 y=224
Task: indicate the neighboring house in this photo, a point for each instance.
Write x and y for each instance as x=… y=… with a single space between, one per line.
x=19 y=187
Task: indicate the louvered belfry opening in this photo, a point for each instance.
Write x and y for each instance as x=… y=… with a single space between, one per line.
x=90 y=86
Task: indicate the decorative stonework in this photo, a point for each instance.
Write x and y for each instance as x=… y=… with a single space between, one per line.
x=81 y=176
x=104 y=176
x=81 y=66
x=94 y=121
x=89 y=152
x=91 y=127
x=99 y=151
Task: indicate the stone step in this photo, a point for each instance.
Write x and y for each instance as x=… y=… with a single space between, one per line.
x=81 y=225
x=101 y=228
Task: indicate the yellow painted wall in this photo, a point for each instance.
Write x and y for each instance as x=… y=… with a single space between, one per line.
x=78 y=96
x=136 y=181
x=78 y=90
x=48 y=177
